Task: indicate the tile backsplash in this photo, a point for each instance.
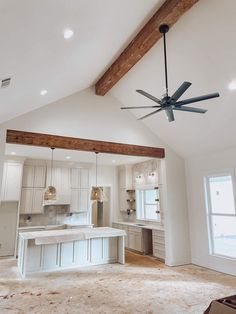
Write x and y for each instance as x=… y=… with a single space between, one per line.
x=54 y=215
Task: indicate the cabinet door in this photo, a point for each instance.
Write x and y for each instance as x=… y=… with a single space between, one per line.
x=26 y=201
x=131 y=240
x=65 y=181
x=74 y=201
x=84 y=178
x=39 y=176
x=123 y=200
x=28 y=177
x=12 y=178
x=75 y=178
x=37 y=204
x=138 y=242
x=84 y=200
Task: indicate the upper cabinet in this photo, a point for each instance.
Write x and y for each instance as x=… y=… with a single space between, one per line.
x=79 y=190
x=11 y=184
x=34 y=177
x=61 y=181
x=79 y=178
x=125 y=177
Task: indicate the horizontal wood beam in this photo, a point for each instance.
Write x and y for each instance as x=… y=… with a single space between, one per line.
x=73 y=143
x=169 y=13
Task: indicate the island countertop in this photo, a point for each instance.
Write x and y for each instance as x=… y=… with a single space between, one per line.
x=57 y=236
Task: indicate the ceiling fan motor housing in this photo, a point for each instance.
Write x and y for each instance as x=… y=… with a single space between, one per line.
x=164 y=28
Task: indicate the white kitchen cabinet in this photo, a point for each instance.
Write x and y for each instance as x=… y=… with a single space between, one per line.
x=84 y=178
x=37 y=205
x=34 y=176
x=135 y=239
x=79 y=200
x=125 y=177
x=31 y=201
x=26 y=200
x=75 y=178
x=74 y=201
x=61 y=181
x=39 y=177
x=158 y=241
x=28 y=177
x=11 y=184
x=125 y=184
x=79 y=178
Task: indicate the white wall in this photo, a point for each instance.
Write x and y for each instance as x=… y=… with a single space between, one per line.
x=196 y=168
x=89 y=116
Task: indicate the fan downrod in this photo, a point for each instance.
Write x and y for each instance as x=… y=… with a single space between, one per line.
x=164 y=28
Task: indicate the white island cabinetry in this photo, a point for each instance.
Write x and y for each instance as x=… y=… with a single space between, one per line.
x=61 y=249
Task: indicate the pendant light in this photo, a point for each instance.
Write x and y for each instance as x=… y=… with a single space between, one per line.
x=50 y=194
x=97 y=193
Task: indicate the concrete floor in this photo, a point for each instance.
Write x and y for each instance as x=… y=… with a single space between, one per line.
x=143 y=285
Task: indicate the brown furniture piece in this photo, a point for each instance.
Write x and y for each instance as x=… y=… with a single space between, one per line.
x=225 y=305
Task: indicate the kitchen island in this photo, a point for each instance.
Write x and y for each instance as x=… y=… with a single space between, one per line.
x=41 y=251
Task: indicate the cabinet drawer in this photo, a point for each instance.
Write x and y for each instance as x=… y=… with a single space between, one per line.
x=158 y=239
x=158 y=233
x=135 y=229
x=159 y=254
x=157 y=246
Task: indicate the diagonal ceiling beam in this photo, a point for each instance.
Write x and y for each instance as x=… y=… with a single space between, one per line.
x=168 y=13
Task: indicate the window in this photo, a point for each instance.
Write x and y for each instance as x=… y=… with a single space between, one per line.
x=221 y=214
x=148 y=204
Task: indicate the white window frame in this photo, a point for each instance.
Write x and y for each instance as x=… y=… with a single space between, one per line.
x=140 y=195
x=210 y=214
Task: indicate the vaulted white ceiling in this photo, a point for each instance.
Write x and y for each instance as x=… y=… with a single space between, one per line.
x=35 y=55
x=201 y=49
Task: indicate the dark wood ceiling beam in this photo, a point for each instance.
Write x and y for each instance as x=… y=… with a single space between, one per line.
x=64 y=142
x=169 y=13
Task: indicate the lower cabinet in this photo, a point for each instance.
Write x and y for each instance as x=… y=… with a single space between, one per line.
x=135 y=239
x=158 y=242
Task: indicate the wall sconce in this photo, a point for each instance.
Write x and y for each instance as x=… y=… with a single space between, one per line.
x=138 y=178
x=151 y=174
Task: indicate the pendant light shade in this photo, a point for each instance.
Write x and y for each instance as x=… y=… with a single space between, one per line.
x=51 y=193
x=96 y=192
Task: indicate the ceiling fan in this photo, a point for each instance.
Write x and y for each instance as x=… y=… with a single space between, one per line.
x=170 y=103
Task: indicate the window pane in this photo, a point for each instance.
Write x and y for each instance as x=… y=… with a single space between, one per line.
x=151 y=212
x=150 y=196
x=224 y=235
x=221 y=194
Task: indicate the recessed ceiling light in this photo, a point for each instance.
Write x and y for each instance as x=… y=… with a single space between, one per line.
x=232 y=85
x=13 y=153
x=68 y=157
x=68 y=33
x=43 y=92
x=113 y=161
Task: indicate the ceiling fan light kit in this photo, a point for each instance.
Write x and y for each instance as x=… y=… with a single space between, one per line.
x=171 y=103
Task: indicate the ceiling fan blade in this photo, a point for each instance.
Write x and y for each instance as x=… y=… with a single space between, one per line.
x=180 y=91
x=140 y=107
x=190 y=109
x=169 y=114
x=142 y=92
x=150 y=114
x=196 y=99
